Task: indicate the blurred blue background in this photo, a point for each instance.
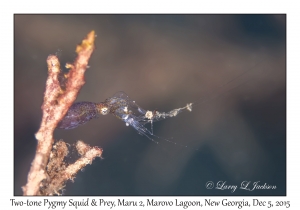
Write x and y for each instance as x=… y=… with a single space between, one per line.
x=164 y=62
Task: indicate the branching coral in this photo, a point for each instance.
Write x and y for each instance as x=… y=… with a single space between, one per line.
x=48 y=172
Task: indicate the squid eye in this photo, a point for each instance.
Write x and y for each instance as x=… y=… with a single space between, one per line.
x=104 y=111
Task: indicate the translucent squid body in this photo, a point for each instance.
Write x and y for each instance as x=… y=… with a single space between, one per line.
x=122 y=107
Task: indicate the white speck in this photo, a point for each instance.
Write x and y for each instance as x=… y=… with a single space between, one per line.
x=189 y=107
x=149 y=115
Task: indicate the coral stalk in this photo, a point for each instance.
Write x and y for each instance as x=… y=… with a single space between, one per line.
x=56 y=104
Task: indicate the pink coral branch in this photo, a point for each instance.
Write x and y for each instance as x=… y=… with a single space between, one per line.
x=55 y=106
